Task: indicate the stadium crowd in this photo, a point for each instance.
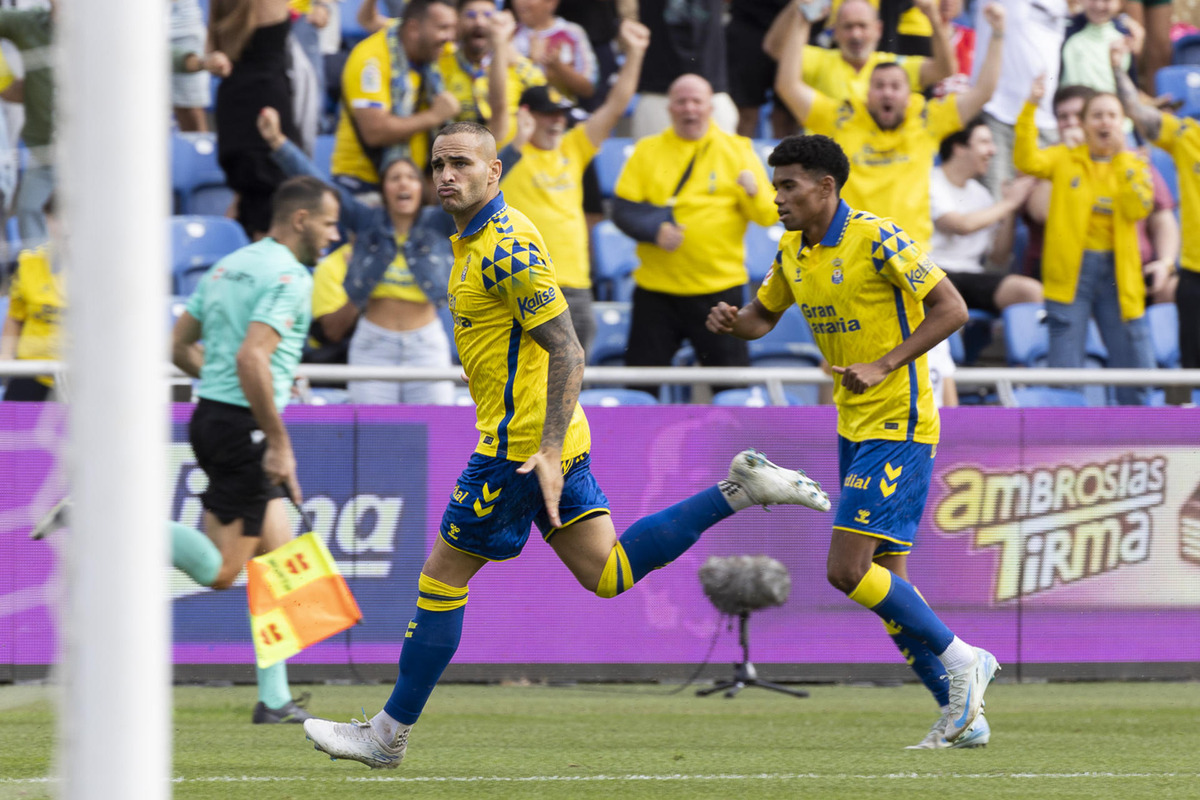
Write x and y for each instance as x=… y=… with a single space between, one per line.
x=1037 y=149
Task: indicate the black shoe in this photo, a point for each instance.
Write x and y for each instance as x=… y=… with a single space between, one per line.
x=293 y=712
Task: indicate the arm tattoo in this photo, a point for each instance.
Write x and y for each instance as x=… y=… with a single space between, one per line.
x=564 y=375
x=1147 y=118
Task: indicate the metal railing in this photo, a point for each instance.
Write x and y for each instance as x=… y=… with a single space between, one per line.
x=774 y=378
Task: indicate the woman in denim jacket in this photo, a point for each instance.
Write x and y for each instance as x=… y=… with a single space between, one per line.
x=388 y=285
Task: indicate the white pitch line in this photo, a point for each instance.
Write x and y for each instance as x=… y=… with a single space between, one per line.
x=765 y=776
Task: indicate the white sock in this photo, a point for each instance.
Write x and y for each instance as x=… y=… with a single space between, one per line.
x=958 y=656
x=385 y=727
x=735 y=495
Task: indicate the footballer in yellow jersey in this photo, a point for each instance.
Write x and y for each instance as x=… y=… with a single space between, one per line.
x=892 y=137
x=33 y=329
x=506 y=307
x=876 y=304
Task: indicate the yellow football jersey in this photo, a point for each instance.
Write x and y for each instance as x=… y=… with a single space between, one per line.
x=1181 y=138
x=470 y=86
x=860 y=288
x=548 y=186
x=826 y=71
x=503 y=286
x=889 y=170
x=37 y=298
x=367 y=83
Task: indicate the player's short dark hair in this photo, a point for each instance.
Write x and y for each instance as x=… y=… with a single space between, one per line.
x=295 y=194
x=417 y=10
x=816 y=154
x=1072 y=92
x=887 y=65
x=962 y=136
x=467 y=127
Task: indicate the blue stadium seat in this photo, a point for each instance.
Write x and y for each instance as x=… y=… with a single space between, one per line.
x=977 y=334
x=1025 y=339
x=1046 y=397
x=197 y=181
x=616 y=397
x=609 y=161
x=197 y=243
x=614 y=263
x=752 y=397
x=761 y=246
x=791 y=337
x=957 y=351
x=1186 y=49
x=1163 y=320
x=612 y=334
x=1182 y=83
x=1162 y=161
x=323 y=154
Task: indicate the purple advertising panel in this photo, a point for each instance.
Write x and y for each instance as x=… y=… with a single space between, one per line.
x=1050 y=536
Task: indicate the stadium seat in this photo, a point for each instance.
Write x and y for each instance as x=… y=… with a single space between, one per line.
x=791 y=338
x=761 y=246
x=352 y=32
x=1186 y=49
x=323 y=154
x=196 y=244
x=977 y=334
x=1027 y=342
x=609 y=161
x=1182 y=83
x=612 y=334
x=1162 y=161
x=1046 y=397
x=957 y=351
x=616 y=258
x=197 y=181
x=1163 y=320
x=616 y=397
x=752 y=397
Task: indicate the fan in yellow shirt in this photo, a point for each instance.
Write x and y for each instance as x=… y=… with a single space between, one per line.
x=843 y=72
x=544 y=173
x=892 y=138
x=482 y=74
x=33 y=328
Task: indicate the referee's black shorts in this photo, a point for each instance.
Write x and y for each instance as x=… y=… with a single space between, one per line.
x=229 y=447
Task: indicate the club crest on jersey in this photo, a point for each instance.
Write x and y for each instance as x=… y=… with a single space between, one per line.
x=837 y=276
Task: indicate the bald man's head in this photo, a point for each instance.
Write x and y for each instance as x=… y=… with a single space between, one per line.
x=690 y=103
x=857 y=30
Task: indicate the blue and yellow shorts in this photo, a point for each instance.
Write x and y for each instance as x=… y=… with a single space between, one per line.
x=492 y=507
x=884 y=486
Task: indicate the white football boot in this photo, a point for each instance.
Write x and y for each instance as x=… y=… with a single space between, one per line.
x=356 y=741
x=966 y=692
x=768 y=484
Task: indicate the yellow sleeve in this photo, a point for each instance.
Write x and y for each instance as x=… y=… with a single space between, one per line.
x=774 y=292
x=941 y=117
x=328 y=293
x=1027 y=156
x=761 y=207
x=823 y=114
x=903 y=262
x=1171 y=132
x=367 y=76
x=912 y=65
x=533 y=298
x=1135 y=197
x=6 y=75
x=17 y=308
x=631 y=183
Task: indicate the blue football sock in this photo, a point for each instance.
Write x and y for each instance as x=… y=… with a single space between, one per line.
x=194 y=554
x=923 y=662
x=898 y=603
x=658 y=539
x=429 y=644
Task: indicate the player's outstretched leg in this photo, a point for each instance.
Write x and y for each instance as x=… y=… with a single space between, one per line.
x=429 y=645
x=658 y=539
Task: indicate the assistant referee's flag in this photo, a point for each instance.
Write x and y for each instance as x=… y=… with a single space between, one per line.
x=297 y=598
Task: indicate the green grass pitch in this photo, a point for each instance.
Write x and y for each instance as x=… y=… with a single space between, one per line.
x=1090 y=740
